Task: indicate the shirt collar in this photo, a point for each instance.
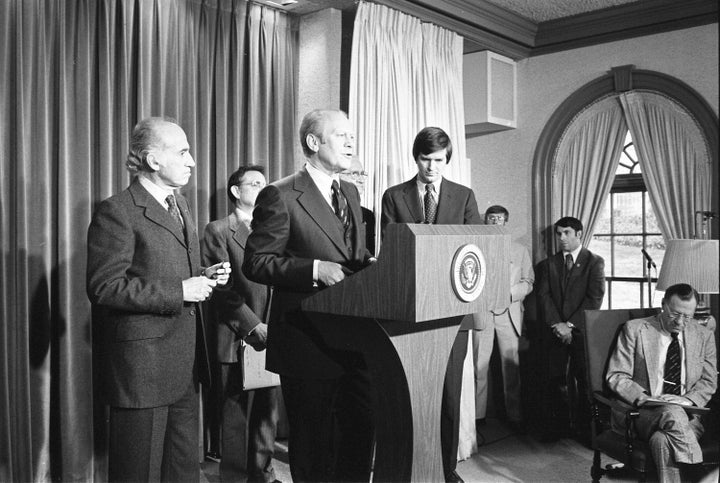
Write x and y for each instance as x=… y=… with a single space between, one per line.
x=322 y=179
x=574 y=253
x=157 y=192
x=421 y=185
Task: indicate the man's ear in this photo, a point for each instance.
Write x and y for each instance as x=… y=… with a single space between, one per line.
x=313 y=142
x=152 y=161
x=235 y=190
x=578 y=233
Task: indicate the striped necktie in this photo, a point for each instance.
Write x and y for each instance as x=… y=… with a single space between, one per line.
x=671 y=376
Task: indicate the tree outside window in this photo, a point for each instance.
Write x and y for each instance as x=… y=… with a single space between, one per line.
x=626 y=225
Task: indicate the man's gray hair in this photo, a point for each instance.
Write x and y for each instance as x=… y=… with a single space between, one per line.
x=143 y=139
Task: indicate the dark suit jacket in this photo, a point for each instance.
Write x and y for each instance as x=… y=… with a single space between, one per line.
x=456 y=205
x=633 y=366
x=292 y=226
x=240 y=305
x=560 y=302
x=137 y=259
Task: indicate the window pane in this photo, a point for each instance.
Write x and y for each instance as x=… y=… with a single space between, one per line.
x=602 y=225
x=626 y=295
x=650 y=218
x=627 y=212
x=628 y=256
x=600 y=245
x=656 y=249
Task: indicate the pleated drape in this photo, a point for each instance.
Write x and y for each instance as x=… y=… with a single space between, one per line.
x=75 y=76
x=585 y=164
x=674 y=159
x=404 y=75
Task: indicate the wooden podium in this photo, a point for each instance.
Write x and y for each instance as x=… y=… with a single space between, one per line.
x=402 y=313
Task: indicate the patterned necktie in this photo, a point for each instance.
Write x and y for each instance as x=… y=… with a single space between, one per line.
x=173 y=209
x=430 y=203
x=340 y=205
x=672 y=367
x=568 y=265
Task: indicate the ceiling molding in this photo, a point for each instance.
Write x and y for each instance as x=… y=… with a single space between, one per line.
x=483 y=25
x=622 y=22
x=486 y=26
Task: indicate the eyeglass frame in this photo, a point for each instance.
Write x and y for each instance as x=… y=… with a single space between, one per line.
x=254 y=184
x=355 y=175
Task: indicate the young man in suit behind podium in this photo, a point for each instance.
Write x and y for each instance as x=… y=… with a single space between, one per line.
x=307 y=235
x=430 y=198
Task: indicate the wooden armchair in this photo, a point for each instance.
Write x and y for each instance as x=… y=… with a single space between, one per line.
x=601 y=328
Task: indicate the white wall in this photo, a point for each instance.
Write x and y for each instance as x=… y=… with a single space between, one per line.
x=502 y=162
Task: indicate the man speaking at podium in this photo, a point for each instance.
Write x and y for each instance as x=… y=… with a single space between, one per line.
x=307 y=235
x=429 y=198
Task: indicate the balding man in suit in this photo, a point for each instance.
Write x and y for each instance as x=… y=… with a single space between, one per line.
x=307 y=235
x=145 y=280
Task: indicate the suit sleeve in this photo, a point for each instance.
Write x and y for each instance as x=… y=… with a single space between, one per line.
x=389 y=212
x=524 y=286
x=472 y=215
x=620 y=370
x=701 y=392
x=228 y=301
x=545 y=303
x=113 y=281
x=266 y=258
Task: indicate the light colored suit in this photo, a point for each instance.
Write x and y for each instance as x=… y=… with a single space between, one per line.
x=507 y=324
x=633 y=370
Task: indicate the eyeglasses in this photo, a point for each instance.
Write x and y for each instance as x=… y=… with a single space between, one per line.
x=254 y=184
x=355 y=175
x=496 y=217
x=678 y=316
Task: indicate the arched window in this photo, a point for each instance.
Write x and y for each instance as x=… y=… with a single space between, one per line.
x=577 y=164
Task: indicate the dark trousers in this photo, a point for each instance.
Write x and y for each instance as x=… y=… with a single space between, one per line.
x=249 y=427
x=565 y=405
x=450 y=415
x=331 y=427
x=156 y=444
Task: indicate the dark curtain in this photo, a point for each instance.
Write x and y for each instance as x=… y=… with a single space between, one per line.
x=75 y=76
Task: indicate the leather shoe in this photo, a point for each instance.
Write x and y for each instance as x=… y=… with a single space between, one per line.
x=453 y=477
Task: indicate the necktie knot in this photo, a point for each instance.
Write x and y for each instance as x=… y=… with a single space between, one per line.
x=173 y=209
x=430 y=203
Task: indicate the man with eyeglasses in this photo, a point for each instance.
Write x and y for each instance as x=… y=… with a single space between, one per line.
x=248 y=419
x=358 y=176
x=661 y=364
x=505 y=324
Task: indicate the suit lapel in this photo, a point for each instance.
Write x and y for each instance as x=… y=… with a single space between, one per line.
x=412 y=200
x=445 y=204
x=650 y=342
x=315 y=205
x=239 y=229
x=156 y=213
x=692 y=353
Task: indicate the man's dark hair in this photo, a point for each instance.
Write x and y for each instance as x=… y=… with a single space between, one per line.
x=683 y=290
x=569 y=222
x=431 y=139
x=498 y=210
x=237 y=177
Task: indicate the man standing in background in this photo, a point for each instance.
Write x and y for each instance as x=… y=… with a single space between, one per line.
x=358 y=176
x=249 y=418
x=144 y=280
x=506 y=324
x=570 y=282
x=430 y=198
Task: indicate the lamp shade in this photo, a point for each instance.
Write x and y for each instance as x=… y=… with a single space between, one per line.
x=691 y=261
